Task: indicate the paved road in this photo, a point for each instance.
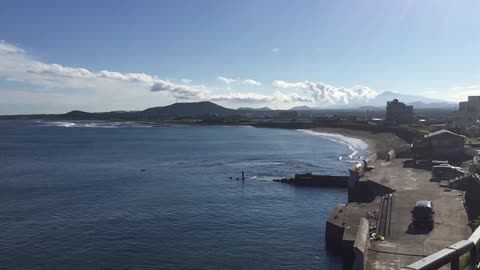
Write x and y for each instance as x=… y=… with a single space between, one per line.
x=406 y=245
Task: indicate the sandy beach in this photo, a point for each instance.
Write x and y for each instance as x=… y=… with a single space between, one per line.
x=377 y=142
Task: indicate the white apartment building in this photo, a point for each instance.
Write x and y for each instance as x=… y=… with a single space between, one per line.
x=468 y=114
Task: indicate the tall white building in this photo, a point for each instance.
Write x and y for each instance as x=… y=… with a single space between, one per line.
x=468 y=114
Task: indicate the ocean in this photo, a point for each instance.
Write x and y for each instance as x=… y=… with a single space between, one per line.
x=102 y=195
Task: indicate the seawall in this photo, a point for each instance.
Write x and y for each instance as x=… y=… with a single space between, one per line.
x=354 y=220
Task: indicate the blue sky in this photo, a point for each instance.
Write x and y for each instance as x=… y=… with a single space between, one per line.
x=112 y=55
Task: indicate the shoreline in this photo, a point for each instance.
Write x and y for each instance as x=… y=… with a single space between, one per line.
x=376 y=142
x=359 y=147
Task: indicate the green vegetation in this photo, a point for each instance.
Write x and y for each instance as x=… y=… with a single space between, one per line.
x=464 y=261
x=473 y=140
x=476 y=223
x=418 y=129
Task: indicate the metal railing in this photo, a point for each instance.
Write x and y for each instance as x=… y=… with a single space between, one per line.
x=462 y=255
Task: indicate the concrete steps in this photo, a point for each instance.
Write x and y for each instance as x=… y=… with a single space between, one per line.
x=384 y=216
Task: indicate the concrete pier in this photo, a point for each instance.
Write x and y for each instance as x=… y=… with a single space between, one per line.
x=308 y=179
x=384 y=196
x=405 y=244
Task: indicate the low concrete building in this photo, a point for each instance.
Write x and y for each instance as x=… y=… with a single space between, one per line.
x=445 y=144
x=399 y=113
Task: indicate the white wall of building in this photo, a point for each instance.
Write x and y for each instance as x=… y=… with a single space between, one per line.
x=468 y=113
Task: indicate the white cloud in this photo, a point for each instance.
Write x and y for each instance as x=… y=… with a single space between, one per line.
x=243 y=97
x=327 y=94
x=277 y=97
x=226 y=79
x=16 y=65
x=275 y=50
x=292 y=98
x=132 y=77
x=186 y=92
x=286 y=85
x=251 y=82
x=107 y=89
x=9 y=48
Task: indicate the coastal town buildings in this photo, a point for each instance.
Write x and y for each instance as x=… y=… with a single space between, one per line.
x=288 y=115
x=436 y=127
x=398 y=112
x=440 y=145
x=446 y=144
x=468 y=115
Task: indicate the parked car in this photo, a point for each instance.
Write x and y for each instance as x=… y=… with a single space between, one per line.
x=446 y=171
x=423 y=214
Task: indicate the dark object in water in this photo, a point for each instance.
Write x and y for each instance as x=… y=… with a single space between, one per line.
x=309 y=179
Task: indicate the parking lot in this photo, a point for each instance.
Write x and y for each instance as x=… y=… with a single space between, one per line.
x=406 y=244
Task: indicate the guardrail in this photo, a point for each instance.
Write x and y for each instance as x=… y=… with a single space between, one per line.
x=462 y=255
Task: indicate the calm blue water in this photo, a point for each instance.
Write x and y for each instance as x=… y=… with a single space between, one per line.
x=103 y=196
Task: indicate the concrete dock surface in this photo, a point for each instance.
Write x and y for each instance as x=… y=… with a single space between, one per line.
x=404 y=244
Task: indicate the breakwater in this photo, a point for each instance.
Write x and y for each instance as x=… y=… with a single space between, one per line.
x=345 y=224
x=316 y=180
x=350 y=224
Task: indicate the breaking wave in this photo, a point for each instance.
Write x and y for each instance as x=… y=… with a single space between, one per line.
x=264 y=178
x=94 y=124
x=355 y=145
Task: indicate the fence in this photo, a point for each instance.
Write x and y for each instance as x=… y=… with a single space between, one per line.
x=462 y=255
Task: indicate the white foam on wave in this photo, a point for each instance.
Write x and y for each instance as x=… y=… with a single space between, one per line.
x=353 y=144
x=264 y=178
x=56 y=123
x=93 y=124
x=252 y=163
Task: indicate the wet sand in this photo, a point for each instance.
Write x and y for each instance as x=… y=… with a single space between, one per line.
x=377 y=142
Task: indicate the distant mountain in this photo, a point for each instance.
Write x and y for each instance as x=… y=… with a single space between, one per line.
x=122 y=111
x=174 y=110
x=187 y=109
x=434 y=105
x=380 y=102
x=301 y=108
x=254 y=109
x=77 y=115
x=205 y=108
x=372 y=108
x=420 y=101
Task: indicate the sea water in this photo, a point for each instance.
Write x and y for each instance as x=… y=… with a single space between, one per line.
x=106 y=195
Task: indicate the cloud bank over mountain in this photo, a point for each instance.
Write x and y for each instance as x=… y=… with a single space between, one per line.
x=325 y=94
x=17 y=65
x=126 y=88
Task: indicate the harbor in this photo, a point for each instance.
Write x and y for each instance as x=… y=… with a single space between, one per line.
x=374 y=229
x=388 y=215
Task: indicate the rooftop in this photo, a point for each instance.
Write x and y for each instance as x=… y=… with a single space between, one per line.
x=442 y=132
